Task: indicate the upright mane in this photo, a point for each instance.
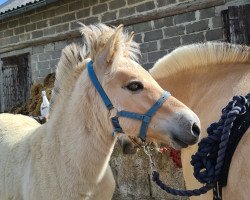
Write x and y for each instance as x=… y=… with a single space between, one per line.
x=96 y=36
x=74 y=57
x=200 y=55
x=68 y=70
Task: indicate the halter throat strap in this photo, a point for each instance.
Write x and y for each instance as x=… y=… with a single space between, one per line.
x=145 y=118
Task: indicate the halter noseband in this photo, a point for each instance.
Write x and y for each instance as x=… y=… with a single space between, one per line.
x=145 y=118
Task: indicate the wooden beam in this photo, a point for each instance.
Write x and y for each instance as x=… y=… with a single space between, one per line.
x=143 y=17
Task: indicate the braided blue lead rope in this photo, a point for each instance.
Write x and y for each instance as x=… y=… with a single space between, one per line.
x=209 y=158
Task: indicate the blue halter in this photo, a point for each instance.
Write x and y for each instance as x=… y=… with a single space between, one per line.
x=145 y=118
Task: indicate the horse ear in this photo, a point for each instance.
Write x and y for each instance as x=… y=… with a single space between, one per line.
x=113 y=44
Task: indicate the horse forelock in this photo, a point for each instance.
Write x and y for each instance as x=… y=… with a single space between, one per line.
x=205 y=55
x=96 y=37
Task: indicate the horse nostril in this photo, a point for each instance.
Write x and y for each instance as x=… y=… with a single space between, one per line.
x=196 y=130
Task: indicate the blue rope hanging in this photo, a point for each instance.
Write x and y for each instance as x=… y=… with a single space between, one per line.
x=209 y=158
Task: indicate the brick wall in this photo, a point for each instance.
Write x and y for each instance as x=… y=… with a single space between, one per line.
x=161 y=36
x=58 y=21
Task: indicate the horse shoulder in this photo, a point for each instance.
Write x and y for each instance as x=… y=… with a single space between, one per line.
x=238 y=186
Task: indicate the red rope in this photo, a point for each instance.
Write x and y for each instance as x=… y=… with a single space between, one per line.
x=174 y=154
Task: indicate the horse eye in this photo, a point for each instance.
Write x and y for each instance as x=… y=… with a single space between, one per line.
x=134 y=86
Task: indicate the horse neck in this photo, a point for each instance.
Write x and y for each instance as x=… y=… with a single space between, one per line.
x=83 y=133
x=207 y=91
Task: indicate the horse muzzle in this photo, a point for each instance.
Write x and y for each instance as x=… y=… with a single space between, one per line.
x=183 y=128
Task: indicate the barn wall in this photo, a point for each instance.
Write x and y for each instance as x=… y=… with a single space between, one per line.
x=52 y=26
x=44 y=32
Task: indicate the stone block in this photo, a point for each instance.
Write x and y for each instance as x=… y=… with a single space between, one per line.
x=49 y=14
x=142 y=27
x=13 y=23
x=68 y=17
x=34 y=57
x=30 y=27
x=109 y=16
x=161 y=3
x=49 y=47
x=100 y=8
x=24 y=37
x=116 y=4
x=91 y=20
x=148 y=46
x=44 y=72
x=14 y=39
x=87 y=3
x=49 y=31
x=53 y=64
x=36 y=17
x=154 y=56
x=62 y=28
x=61 y=10
x=42 y=24
x=83 y=13
x=207 y=13
x=125 y=12
x=4 y=41
x=185 y=17
x=74 y=25
x=60 y=45
x=24 y=20
x=56 y=54
x=170 y=43
x=193 y=38
x=148 y=66
x=43 y=65
x=55 y=20
x=8 y=33
x=38 y=49
x=144 y=58
x=138 y=38
x=216 y=34
x=197 y=26
x=174 y=31
x=163 y=22
x=3 y=26
x=130 y=2
x=217 y=22
x=153 y=35
x=145 y=6
x=44 y=56
x=37 y=34
x=75 y=5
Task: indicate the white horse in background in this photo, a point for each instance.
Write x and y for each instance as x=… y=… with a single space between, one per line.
x=206 y=77
x=67 y=157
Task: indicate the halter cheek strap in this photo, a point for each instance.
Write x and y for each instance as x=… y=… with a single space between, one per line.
x=145 y=118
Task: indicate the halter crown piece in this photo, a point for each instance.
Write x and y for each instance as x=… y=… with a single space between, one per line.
x=145 y=118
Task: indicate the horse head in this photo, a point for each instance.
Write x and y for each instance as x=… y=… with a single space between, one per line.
x=131 y=88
